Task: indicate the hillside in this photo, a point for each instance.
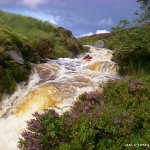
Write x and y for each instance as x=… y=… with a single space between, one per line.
x=92 y=39
x=24 y=40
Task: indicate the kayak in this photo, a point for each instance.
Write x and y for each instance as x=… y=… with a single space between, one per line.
x=87 y=60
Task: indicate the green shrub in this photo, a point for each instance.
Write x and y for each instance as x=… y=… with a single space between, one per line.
x=19 y=72
x=61 y=51
x=8 y=82
x=11 y=73
x=45 y=48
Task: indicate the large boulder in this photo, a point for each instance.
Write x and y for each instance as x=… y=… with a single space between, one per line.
x=47 y=71
x=16 y=56
x=99 y=43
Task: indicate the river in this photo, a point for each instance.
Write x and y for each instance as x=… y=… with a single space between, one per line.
x=55 y=84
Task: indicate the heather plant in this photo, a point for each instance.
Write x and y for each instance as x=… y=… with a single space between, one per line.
x=108 y=120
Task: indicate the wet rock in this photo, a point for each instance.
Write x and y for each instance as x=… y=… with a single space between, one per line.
x=79 y=78
x=47 y=71
x=105 y=66
x=43 y=60
x=39 y=99
x=95 y=66
x=15 y=56
x=99 y=44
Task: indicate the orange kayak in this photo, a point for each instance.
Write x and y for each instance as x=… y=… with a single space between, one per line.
x=87 y=60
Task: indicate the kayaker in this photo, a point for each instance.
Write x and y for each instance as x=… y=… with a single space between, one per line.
x=87 y=57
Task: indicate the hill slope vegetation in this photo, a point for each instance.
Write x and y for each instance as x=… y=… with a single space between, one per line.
x=24 y=40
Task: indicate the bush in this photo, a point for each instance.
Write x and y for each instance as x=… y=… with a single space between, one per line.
x=45 y=48
x=108 y=120
x=8 y=82
x=19 y=72
x=12 y=73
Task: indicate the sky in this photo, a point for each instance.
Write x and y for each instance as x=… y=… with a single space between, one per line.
x=79 y=16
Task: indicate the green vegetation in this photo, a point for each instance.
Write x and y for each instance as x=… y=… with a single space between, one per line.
x=19 y=30
x=132 y=50
x=35 y=40
x=108 y=120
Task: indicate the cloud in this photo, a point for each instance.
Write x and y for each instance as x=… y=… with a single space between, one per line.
x=102 y=31
x=27 y=3
x=6 y=2
x=86 y=34
x=53 y=19
x=33 y=3
x=91 y=33
x=105 y=22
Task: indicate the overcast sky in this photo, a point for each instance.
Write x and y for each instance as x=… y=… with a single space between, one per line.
x=80 y=16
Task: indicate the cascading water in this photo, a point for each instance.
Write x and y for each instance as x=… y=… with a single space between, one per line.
x=56 y=83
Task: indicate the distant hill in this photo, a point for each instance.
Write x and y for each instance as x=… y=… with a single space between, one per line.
x=24 y=40
x=90 y=40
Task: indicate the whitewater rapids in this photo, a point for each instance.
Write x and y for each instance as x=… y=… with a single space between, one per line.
x=55 y=84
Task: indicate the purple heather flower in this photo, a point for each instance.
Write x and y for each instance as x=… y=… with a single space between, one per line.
x=27 y=134
x=75 y=116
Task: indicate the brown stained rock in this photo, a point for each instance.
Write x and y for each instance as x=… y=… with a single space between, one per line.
x=47 y=71
x=39 y=99
x=66 y=90
x=103 y=66
x=82 y=79
x=96 y=66
x=79 y=81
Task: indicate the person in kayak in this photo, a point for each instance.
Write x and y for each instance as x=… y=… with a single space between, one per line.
x=87 y=57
